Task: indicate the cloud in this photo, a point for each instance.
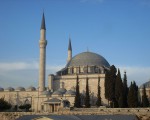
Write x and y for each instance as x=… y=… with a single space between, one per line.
x=23 y=73
x=93 y=1
x=8 y=66
x=138 y=74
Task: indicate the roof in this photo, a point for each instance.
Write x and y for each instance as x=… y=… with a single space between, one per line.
x=57 y=93
x=53 y=100
x=147 y=85
x=69 y=46
x=62 y=90
x=9 y=89
x=70 y=92
x=88 y=59
x=31 y=88
x=20 y=89
x=1 y=89
x=47 y=92
x=43 y=23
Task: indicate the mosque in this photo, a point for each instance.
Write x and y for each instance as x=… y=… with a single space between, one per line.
x=61 y=86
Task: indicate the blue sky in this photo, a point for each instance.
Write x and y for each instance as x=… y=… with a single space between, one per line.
x=119 y=30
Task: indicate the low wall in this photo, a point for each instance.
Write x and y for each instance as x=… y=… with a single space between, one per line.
x=142 y=113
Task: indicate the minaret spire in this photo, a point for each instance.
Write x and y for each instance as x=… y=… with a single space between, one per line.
x=42 y=62
x=43 y=22
x=69 y=50
x=69 y=46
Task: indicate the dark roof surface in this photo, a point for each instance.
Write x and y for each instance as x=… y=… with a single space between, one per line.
x=43 y=23
x=88 y=58
x=147 y=85
x=69 y=46
x=53 y=100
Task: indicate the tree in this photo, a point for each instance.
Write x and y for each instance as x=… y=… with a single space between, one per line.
x=87 y=96
x=133 y=95
x=110 y=84
x=98 y=102
x=25 y=106
x=4 y=105
x=119 y=90
x=145 y=102
x=125 y=91
x=77 y=102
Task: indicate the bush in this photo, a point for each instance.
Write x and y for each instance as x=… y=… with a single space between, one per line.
x=4 y=105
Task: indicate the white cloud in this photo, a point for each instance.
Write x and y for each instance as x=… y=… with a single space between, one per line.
x=23 y=73
x=139 y=74
x=7 y=66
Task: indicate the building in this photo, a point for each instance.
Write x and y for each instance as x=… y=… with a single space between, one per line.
x=61 y=86
x=147 y=88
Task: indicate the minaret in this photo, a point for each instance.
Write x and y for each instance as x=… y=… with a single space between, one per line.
x=69 y=51
x=42 y=43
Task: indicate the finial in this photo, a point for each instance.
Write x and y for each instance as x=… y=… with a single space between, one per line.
x=125 y=71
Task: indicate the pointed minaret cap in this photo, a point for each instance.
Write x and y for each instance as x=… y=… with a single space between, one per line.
x=43 y=22
x=69 y=46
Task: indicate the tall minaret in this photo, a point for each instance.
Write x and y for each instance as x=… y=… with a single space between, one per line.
x=42 y=43
x=69 y=51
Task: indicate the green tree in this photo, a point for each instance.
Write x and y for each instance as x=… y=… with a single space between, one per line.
x=133 y=96
x=110 y=84
x=119 y=90
x=145 y=102
x=87 y=96
x=77 y=102
x=26 y=107
x=98 y=102
x=125 y=91
x=4 y=105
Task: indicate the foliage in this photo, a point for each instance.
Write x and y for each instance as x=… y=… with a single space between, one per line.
x=125 y=91
x=98 y=102
x=119 y=90
x=25 y=106
x=4 y=105
x=145 y=102
x=133 y=95
x=110 y=84
x=77 y=102
x=87 y=96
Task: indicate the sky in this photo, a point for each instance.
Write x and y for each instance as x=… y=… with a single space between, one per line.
x=119 y=30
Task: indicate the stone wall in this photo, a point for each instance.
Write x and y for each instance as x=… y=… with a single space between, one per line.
x=142 y=113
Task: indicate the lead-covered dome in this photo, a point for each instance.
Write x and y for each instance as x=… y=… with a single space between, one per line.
x=88 y=58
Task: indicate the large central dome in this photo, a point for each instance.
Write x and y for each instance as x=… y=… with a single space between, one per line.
x=88 y=58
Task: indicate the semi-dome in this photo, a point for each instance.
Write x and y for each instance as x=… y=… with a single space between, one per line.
x=31 y=88
x=88 y=59
x=57 y=93
x=20 y=89
x=62 y=90
x=1 y=89
x=47 y=92
x=70 y=92
x=9 y=89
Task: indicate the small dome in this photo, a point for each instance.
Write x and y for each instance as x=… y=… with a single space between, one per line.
x=20 y=89
x=31 y=88
x=57 y=93
x=70 y=92
x=47 y=92
x=62 y=90
x=88 y=58
x=1 y=89
x=147 y=85
x=9 y=89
